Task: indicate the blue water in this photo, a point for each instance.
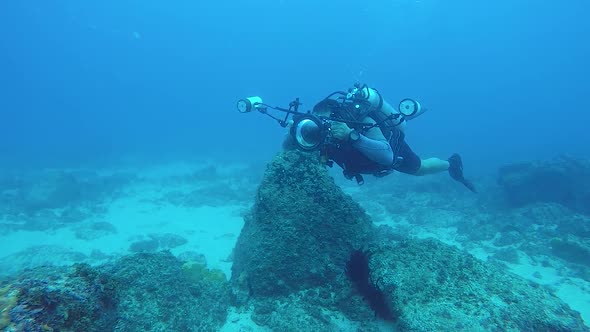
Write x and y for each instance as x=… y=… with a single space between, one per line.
x=96 y=82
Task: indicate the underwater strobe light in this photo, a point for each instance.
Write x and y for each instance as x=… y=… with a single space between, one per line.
x=409 y=107
x=248 y=104
x=309 y=132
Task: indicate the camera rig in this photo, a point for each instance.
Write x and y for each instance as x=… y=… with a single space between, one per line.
x=311 y=131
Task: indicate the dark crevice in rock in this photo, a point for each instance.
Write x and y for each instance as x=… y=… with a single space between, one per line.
x=359 y=272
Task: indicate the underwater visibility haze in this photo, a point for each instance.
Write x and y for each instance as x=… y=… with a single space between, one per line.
x=135 y=197
x=87 y=81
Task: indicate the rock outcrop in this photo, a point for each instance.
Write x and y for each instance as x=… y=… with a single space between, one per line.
x=436 y=287
x=142 y=292
x=308 y=257
x=565 y=181
x=300 y=231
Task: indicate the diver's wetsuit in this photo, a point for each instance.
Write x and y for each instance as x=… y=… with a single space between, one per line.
x=372 y=153
x=382 y=153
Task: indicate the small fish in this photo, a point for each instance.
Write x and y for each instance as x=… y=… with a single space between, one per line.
x=136 y=35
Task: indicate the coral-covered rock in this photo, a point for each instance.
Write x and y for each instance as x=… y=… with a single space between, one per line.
x=565 y=181
x=95 y=230
x=143 y=292
x=157 y=294
x=300 y=231
x=40 y=255
x=56 y=190
x=572 y=249
x=143 y=246
x=34 y=191
x=79 y=298
x=8 y=300
x=436 y=287
x=156 y=242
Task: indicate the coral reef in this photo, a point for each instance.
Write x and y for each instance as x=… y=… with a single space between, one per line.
x=295 y=263
x=40 y=255
x=197 y=272
x=143 y=292
x=64 y=299
x=300 y=231
x=564 y=180
x=437 y=287
x=572 y=250
x=297 y=249
x=539 y=230
x=293 y=249
x=49 y=199
x=230 y=185
x=149 y=245
x=156 y=242
x=8 y=300
x=159 y=295
x=95 y=230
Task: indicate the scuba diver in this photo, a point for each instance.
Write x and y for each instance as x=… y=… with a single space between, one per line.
x=361 y=132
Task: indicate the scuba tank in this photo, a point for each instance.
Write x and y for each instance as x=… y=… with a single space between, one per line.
x=375 y=104
x=371 y=103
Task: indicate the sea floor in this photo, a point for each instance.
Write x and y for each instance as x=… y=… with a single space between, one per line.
x=197 y=211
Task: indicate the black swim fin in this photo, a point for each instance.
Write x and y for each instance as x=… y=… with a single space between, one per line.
x=456 y=172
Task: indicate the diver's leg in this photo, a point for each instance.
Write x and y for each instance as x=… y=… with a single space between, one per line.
x=408 y=162
x=432 y=166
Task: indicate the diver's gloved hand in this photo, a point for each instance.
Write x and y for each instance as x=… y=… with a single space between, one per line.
x=339 y=131
x=456 y=172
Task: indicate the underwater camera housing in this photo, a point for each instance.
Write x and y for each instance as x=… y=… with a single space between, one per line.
x=309 y=131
